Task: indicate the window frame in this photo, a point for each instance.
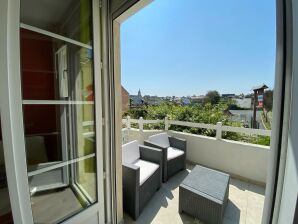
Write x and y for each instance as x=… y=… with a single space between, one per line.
x=12 y=117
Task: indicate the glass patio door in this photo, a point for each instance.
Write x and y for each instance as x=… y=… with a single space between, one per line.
x=61 y=109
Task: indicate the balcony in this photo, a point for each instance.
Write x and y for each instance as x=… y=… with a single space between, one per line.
x=245 y=162
x=245 y=203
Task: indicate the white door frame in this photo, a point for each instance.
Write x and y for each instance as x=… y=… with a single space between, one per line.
x=11 y=112
x=115 y=21
x=12 y=116
x=281 y=98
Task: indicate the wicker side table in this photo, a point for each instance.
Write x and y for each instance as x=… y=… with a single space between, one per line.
x=204 y=194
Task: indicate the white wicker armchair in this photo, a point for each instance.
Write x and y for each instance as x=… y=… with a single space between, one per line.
x=173 y=150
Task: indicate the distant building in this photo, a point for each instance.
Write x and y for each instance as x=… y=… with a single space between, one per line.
x=260 y=87
x=185 y=100
x=139 y=93
x=245 y=103
x=177 y=100
x=250 y=95
x=198 y=99
x=136 y=100
x=125 y=99
x=228 y=95
x=153 y=100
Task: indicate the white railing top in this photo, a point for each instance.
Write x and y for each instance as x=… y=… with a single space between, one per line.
x=134 y=121
x=218 y=126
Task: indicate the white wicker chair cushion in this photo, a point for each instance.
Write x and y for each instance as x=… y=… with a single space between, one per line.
x=146 y=169
x=130 y=152
x=174 y=153
x=160 y=139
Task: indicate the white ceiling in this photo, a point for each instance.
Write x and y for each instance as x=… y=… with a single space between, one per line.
x=45 y=13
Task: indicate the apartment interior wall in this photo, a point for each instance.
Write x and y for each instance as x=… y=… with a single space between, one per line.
x=38 y=83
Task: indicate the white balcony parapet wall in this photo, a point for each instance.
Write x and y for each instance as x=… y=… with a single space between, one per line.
x=240 y=159
x=237 y=158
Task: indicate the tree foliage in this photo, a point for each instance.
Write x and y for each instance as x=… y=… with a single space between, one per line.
x=268 y=103
x=268 y=100
x=212 y=97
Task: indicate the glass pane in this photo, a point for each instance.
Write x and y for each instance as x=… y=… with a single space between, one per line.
x=55 y=133
x=58 y=106
x=5 y=208
x=86 y=178
x=69 y=18
x=52 y=69
x=53 y=202
x=85 y=136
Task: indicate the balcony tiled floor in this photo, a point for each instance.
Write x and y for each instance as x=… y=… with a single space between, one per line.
x=245 y=204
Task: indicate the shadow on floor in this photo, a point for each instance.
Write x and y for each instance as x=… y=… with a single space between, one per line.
x=159 y=200
x=232 y=213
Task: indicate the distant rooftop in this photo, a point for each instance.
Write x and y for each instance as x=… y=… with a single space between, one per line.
x=263 y=86
x=198 y=97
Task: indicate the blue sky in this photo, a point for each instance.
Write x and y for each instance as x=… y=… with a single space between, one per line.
x=187 y=47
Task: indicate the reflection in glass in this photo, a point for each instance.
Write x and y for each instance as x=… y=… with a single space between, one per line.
x=56 y=195
x=85 y=135
x=5 y=208
x=52 y=69
x=56 y=133
x=86 y=178
x=69 y=18
x=58 y=106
